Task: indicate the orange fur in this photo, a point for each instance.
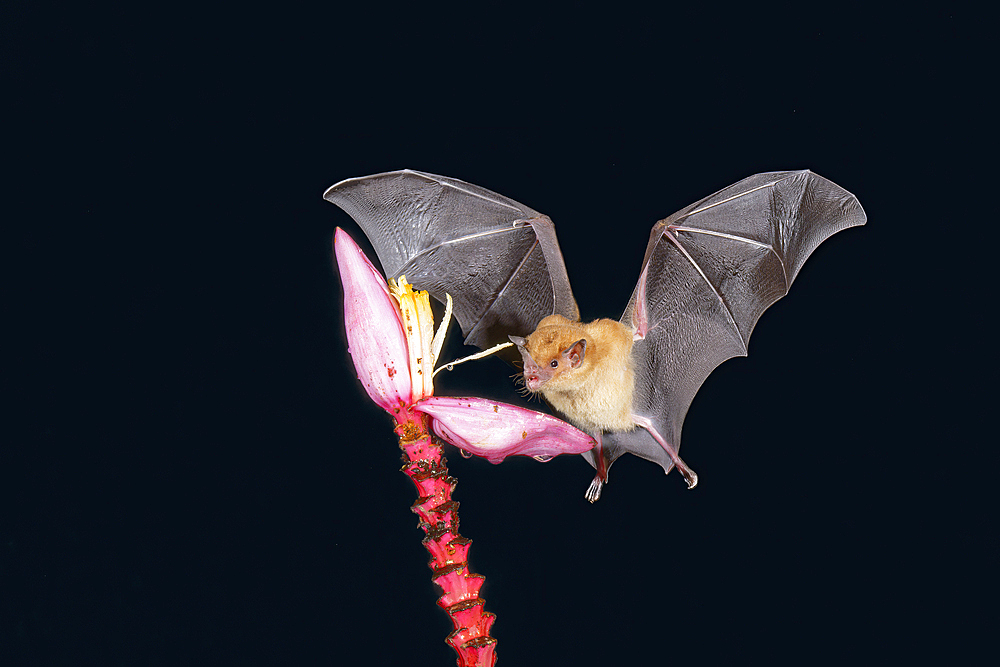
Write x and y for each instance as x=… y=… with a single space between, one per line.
x=597 y=395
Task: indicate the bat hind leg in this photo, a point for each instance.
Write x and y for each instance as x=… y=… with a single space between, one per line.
x=689 y=475
x=593 y=493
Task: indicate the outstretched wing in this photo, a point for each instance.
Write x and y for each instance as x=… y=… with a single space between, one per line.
x=499 y=259
x=710 y=270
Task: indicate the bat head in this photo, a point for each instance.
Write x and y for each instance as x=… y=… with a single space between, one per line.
x=548 y=360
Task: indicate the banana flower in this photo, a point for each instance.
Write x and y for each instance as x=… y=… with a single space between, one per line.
x=391 y=340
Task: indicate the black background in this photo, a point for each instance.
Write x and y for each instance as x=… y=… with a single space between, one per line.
x=191 y=474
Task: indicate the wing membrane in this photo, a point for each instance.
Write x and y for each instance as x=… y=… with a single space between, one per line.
x=498 y=259
x=710 y=271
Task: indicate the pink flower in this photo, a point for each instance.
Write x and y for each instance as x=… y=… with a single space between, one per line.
x=389 y=335
x=497 y=430
x=374 y=332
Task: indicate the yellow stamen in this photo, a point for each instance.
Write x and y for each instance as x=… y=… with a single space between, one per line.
x=423 y=344
x=418 y=326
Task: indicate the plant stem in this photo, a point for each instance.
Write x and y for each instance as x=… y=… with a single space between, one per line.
x=425 y=465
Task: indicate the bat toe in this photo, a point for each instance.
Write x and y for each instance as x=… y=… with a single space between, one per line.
x=593 y=493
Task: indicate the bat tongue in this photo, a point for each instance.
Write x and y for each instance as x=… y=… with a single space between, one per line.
x=532 y=378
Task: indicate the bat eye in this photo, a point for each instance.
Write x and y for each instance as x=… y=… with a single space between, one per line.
x=554 y=364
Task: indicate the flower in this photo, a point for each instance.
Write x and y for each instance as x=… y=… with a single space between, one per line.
x=390 y=337
x=374 y=331
x=495 y=430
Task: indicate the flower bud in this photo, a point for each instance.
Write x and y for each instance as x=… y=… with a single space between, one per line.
x=374 y=332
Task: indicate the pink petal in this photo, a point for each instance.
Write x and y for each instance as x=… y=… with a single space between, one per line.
x=375 y=336
x=497 y=430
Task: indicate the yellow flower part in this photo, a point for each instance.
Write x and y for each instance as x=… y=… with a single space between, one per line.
x=418 y=327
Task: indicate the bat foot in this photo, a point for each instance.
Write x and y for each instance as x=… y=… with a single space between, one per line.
x=593 y=493
x=690 y=476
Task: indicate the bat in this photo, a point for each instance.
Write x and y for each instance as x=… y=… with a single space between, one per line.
x=709 y=272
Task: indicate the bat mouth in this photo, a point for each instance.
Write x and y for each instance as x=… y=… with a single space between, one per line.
x=532 y=382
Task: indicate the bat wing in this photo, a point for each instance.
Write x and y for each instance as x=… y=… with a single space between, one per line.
x=709 y=272
x=499 y=259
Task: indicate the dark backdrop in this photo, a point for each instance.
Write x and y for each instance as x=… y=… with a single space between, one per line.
x=193 y=476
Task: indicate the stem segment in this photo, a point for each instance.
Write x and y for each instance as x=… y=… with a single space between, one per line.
x=425 y=465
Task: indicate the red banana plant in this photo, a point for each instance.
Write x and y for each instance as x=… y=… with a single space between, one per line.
x=391 y=340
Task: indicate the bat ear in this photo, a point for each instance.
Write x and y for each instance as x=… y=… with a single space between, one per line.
x=517 y=340
x=575 y=353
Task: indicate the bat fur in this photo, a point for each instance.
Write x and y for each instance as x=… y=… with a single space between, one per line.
x=583 y=370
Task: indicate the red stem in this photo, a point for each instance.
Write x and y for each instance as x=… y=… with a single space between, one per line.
x=425 y=465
